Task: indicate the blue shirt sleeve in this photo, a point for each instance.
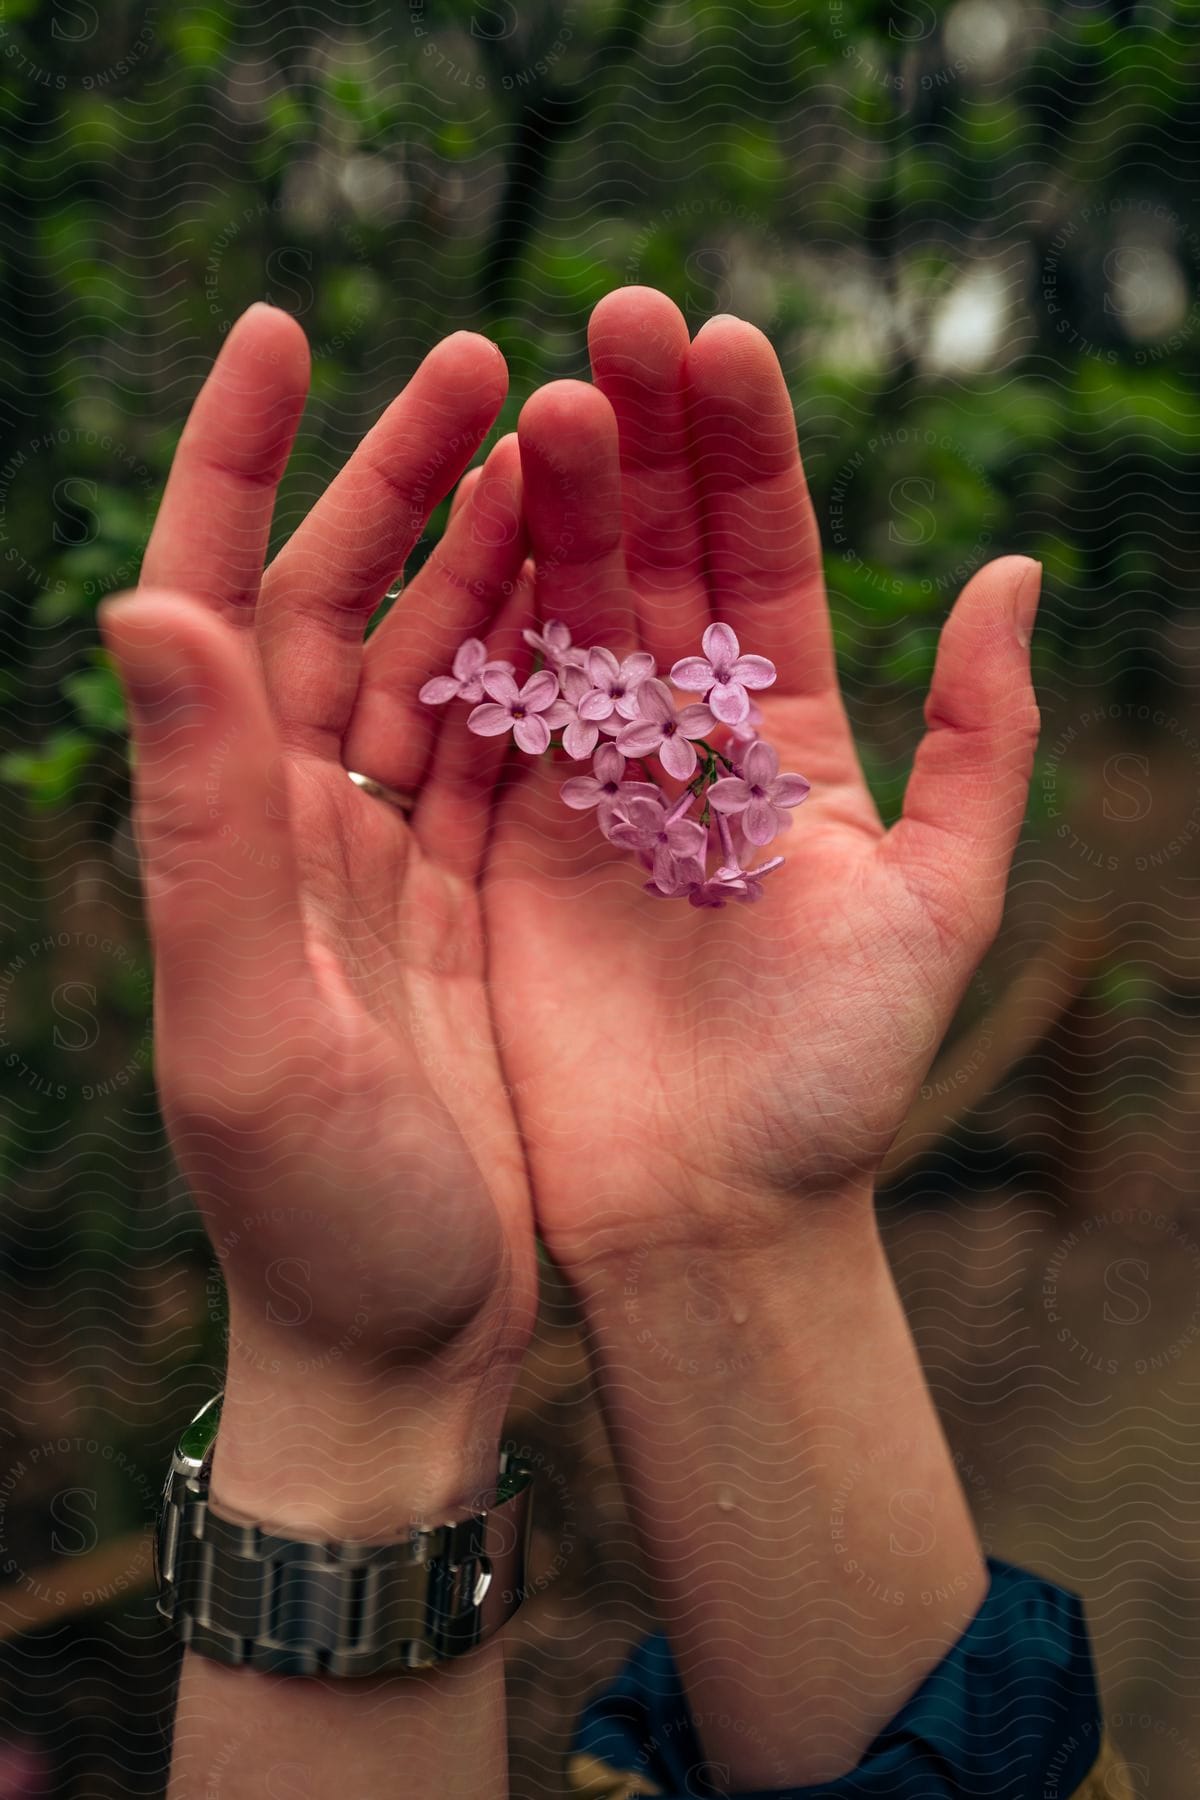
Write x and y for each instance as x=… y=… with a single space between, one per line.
x=1010 y=1713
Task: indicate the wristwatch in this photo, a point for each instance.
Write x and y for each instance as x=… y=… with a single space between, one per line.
x=252 y=1599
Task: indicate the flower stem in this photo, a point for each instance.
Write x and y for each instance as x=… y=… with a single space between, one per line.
x=714 y=752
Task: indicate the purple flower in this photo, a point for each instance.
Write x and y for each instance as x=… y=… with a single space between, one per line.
x=614 y=685
x=759 y=794
x=554 y=643
x=660 y=728
x=523 y=711
x=685 y=878
x=606 y=786
x=470 y=665
x=723 y=674
x=731 y=883
x=647 y=826
x=581 y=735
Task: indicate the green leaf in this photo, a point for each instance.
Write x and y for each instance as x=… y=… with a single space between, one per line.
x=48 y=776
x=97 y=696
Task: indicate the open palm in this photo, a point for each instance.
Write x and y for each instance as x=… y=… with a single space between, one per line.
x=323 y=1040
x=687 y=1075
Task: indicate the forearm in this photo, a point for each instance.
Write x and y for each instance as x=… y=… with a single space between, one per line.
x=245 y=1736
x=810 y=1548
x=345 y=1455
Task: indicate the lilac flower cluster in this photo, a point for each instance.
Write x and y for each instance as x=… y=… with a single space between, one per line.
x=588 y=696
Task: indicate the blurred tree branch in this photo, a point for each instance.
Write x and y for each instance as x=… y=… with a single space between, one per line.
x=541 y=127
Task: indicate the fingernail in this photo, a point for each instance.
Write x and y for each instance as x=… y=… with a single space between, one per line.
x=1025 y=603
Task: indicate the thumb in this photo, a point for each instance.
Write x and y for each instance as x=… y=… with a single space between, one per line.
x=210 y=811
x=966 y=796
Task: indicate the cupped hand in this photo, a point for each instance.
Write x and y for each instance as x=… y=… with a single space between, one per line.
x=704 y=1078
x=324 y=1051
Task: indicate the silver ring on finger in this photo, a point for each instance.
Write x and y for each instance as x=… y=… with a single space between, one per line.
x=404 y=803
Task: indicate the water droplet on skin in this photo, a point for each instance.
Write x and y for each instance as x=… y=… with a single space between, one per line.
x=724 y=1499
x=740 y=1315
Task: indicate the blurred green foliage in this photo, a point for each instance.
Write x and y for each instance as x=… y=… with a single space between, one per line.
x=954 y=222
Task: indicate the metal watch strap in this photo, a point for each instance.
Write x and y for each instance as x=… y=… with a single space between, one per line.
x=250 y=1598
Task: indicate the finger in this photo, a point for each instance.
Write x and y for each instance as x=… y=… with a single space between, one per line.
x=639 y=348
x=462 y=491
x=967 y=792
x=211 y=817
x=570 y=467
x=453 y=817
x=456 y=595
x=328 y=579
x=210 y=537
x=763 y=547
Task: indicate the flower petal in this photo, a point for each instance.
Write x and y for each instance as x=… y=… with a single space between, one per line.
x=500 y=685
x=696 y=721
x=469 y=658
x=602 y=667
x=729 y=795
x=636 y=668
x=639 y=790
x=595 y=705
x=575 y=683
x=761 y=764
x=790 y=790
x=730 y=704
x=754 y=671
x=694 y=674
x=664 y=867
x=540 y=691
x=609 y=764
x=721 y=647
x=689 y=873
x=532 y=734
x=440 y=689
x=579 y=739
x=655 y=700
x=687 y=838
x=759 y=822
x=490 y=721
x=581 y=793
x=558 y=714
x=645 y=815
x=677 y=757
x=639 y=739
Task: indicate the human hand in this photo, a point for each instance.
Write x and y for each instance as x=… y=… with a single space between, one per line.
x=324 y=1053
x=703 y=1080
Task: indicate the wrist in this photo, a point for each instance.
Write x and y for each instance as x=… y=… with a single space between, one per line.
x=356 y=1450
x=732 y=1265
